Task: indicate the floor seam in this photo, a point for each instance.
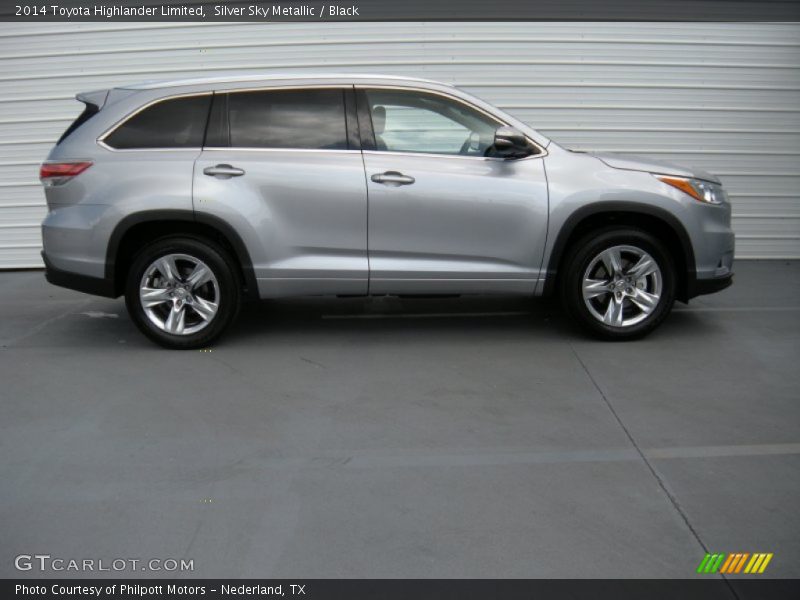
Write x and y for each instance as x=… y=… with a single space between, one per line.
x=672 y=499
x=8 y=343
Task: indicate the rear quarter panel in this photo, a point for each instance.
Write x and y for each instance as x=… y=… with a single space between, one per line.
x=85 y=211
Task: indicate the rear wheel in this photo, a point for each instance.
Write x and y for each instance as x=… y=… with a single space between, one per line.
x=182 y=292
x=619 y=283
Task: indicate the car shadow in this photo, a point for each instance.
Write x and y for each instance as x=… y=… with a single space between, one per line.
x=410 y=321
x=470 y=319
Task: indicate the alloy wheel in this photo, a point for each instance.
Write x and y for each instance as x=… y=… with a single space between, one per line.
x=179 y=294
x=622 y=286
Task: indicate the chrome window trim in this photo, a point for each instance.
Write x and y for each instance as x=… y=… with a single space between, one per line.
x=366 y=87
x=542 y=151
x=105 y=146
x=102 y=137
x=248 y=149
x=352 y=151
x=459 y=156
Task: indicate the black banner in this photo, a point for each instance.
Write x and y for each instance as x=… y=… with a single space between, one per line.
x=400 y=10
x=406 y=589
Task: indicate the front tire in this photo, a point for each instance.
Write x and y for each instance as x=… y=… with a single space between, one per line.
x=182 y=293
x=619 y=283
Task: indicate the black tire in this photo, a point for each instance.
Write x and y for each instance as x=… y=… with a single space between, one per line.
x=581 y=256
x=228 y=284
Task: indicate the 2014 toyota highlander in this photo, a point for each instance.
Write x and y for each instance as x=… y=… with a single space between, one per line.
x=188 y=196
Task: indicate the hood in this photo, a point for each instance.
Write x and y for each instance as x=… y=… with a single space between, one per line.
x=648 y=165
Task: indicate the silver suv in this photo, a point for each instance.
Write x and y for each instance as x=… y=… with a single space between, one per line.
x=189 y=196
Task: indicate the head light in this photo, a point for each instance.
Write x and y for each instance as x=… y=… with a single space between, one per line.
x=703 y=191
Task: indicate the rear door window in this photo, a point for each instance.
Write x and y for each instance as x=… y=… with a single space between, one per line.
x=312 y=119
x=173 y=123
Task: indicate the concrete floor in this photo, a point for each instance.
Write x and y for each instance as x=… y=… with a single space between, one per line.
x=415 y=438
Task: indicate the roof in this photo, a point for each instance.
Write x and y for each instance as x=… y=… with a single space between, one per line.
x=267 y=77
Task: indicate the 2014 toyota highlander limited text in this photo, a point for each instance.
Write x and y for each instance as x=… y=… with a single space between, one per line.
x=188 y=196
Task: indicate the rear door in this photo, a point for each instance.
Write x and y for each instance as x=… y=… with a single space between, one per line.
x=283 y=166
x=443 y=216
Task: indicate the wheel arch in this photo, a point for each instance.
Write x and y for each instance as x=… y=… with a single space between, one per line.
x=139 y=228
x=657 y=221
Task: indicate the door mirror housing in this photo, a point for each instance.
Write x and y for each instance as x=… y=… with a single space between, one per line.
x=511 y=143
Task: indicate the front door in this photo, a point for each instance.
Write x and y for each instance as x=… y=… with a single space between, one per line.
x=444 y=217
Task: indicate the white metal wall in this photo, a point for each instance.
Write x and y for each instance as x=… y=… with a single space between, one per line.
x=723 y=97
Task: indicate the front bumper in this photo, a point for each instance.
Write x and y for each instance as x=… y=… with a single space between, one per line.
x=714 y=244
x=700 y=287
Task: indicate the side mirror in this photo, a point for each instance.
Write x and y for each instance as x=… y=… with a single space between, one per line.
x=510 y=142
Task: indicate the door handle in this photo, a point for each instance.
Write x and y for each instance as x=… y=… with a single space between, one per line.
x=392 y=178
x=223 y=171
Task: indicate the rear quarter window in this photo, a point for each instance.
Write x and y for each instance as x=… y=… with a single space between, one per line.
x=173 y=123
x=89 y=111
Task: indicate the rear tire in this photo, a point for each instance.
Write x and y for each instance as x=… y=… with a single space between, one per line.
x=618 y=283
x=183 y=292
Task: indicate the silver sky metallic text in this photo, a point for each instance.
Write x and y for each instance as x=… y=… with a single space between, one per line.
x=278 y=11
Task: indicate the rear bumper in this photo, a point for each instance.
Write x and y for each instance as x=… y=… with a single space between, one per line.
x=81 y=283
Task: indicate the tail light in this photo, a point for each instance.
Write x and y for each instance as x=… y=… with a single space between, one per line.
x=59 y=173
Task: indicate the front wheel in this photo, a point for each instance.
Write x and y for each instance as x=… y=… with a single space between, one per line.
x=619 y=283
x=182 y=292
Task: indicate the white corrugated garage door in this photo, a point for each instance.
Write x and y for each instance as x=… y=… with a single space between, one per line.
x=723 y=97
